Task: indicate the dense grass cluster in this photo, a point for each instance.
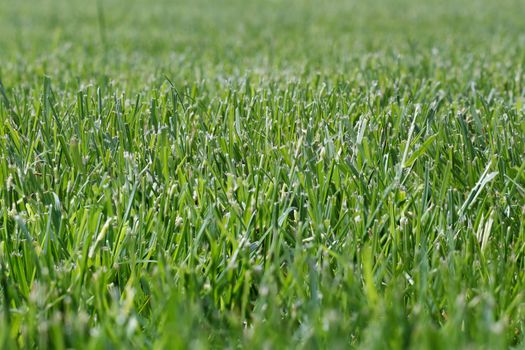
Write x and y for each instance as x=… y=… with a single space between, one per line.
x=270 y=174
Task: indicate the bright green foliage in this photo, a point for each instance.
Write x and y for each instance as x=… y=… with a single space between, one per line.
x=265 y=174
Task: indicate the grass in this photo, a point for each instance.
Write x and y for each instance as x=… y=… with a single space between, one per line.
x=264 y=174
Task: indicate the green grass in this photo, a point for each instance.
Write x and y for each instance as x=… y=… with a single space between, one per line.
x=265 y=174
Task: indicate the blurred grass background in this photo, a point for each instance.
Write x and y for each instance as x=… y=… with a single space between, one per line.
x=230 y=36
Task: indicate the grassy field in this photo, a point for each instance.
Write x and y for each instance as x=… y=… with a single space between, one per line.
x=265 y=174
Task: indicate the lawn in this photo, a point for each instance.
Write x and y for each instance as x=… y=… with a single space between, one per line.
x=262 y=174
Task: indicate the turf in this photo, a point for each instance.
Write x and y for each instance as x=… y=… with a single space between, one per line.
x=265 y=174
